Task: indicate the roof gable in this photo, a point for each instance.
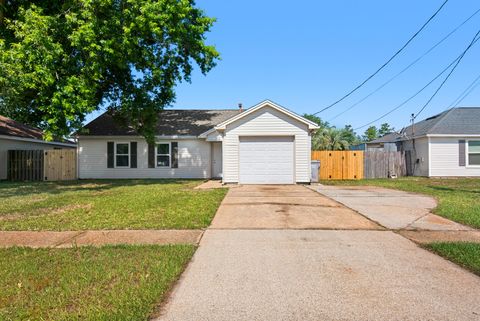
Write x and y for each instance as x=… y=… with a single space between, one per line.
x=267 y=103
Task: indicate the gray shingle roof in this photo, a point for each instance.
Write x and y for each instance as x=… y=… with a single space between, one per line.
x=171 y=122
x=455 y=121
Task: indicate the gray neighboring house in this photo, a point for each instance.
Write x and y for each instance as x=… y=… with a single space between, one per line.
x=444 y=145
x=18 y=136
x=265 y=144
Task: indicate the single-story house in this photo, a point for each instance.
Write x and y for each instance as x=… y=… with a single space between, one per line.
x=265 y=144
x=383 y=143
x=18 y=136
x=447 y=144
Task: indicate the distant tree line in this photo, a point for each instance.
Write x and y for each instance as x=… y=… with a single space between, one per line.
x=329 y=137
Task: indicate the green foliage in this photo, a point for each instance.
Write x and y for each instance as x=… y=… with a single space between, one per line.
x=329 y=137
x=60 y=60
x=385 y=129
x=463 y=253
x=370 y=134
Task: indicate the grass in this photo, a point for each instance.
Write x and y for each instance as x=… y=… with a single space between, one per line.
x=107 y=204
x=464 y=254
x=458 y=199
x=108 y=283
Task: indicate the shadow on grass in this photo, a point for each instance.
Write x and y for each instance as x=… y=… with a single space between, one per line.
x=9 y=189
x=450 y=189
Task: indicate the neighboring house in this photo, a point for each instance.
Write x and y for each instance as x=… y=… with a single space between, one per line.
x=266 y=144
x=383 y=143
x=447 y=144
x=17 y=136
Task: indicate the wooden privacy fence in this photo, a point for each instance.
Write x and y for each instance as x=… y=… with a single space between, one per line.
x=339 y=164
x=42 y=165
x=384 y=164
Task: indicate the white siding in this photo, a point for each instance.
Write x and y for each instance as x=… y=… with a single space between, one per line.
x=9 y=144
x=266 y=122
x=193 y=160
x=445 y=158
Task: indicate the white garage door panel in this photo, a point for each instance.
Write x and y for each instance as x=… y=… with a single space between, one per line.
x=266 y=160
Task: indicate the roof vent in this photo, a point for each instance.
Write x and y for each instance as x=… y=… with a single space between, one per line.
x=240 y=107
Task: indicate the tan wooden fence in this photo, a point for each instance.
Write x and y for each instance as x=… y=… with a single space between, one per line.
x=42 y=165
x=339 y=164
x=60 y=164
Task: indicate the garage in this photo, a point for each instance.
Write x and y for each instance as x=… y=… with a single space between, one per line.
x=266 y=160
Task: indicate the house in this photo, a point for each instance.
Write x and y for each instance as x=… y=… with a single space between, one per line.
x=444 y=145
x=18 y=136
x=266 y=144
x=384 y=143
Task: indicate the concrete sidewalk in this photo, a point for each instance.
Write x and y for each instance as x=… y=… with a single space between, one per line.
x=97 y=238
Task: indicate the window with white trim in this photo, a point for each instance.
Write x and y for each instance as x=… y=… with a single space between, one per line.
x=473 y=150
x=163 y=155
x=122 y=156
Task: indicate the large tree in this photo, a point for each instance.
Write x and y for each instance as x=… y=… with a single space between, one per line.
x=62 y=59
x=385 y=128
x=370 y=134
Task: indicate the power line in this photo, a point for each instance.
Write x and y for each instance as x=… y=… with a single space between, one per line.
x=465 y=93
x=407 y=67
x=387 y=62
x=417 y=93
x=449 y=74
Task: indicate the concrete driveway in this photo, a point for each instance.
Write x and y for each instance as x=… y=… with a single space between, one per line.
x=284 y=207
x=392 y=209
x=258 y=263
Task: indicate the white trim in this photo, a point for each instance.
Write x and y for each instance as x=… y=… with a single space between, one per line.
x=169 y=154
x=429 y=156
x=266 y=103
x=115 y=155
x=38 y=141
x=467 y=154
x=208 y=132
x=175 y=137
x=453 y=135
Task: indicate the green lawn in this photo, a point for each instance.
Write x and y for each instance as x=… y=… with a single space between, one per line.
x=86 y=283
x=107 y=204
x=458 y=199
x=464 y=254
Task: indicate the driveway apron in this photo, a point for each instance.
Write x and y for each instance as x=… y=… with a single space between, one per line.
x=289 y=253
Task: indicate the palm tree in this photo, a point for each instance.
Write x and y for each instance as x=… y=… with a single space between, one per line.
x=329 y=138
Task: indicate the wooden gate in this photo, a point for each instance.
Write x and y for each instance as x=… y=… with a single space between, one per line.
x=60 y=164
x=339 y=164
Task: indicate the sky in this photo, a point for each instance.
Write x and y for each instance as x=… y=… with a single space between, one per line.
x=304 y=55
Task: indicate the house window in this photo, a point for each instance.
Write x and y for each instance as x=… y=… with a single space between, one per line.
x=474 y=152
x=163 y=155
x=122 y=155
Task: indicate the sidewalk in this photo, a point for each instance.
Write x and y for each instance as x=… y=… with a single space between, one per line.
x=97 y=238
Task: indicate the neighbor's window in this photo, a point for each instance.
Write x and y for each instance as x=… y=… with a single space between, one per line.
x=121 y=153
x=474 y=152
x=163 y=155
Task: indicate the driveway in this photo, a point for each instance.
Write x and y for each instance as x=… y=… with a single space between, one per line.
x=258 y=263
x=284 y=207
x=391 y=208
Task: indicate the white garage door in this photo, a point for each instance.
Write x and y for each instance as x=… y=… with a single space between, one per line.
x=266 y=160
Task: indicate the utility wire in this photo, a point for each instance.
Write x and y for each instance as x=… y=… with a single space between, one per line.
x=475 y=38
x=417 y=93
x=387 y=62
x=406 y=68
x=465 y=93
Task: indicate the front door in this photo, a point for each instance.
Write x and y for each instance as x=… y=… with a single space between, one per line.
x=217 y=160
